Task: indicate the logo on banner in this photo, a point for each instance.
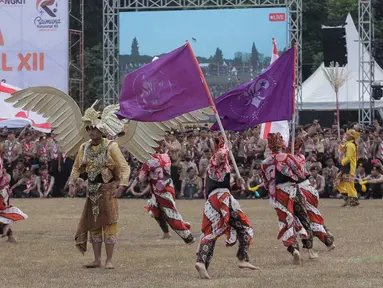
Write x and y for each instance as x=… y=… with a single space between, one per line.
x=277 y=17
x=30 y=61
x=12 y=2
x=1 y=39
x=48 y=18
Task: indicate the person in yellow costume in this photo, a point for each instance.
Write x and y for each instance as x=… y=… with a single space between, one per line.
x=346 y=177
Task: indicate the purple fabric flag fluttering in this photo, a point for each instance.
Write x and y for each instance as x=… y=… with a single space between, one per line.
x=164 y=89
x=267 y=98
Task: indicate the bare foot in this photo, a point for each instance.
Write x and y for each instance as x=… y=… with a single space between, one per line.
x=191 y=242
x=202 y=270
x=331 y=236
x=166 y=236
x=109 y=265
x=247 y=265
x=313 y=255
x=11 y=239
x=94 y=264
x=332 y=247
x=346 y=203
x=297 y=257
x=5 y=230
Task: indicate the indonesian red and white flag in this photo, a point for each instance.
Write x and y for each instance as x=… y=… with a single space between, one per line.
x=12 y=117
x=280 y=126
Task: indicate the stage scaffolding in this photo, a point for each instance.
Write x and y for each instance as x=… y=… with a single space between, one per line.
x=76 y=51
x=111 y=9
x=366 y=62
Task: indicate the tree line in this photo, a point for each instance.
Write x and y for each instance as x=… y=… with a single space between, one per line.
x=254 y=59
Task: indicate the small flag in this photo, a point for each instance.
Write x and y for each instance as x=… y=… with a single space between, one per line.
x=166 y=88
x=267 y=98
x=281 y=127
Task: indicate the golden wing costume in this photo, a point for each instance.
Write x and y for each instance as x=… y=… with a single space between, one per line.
x=100 y=212
x=140 y=138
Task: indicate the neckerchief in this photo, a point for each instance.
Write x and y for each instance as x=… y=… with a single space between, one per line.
x=44 y=154
x=29 y=182
x=27 y=147
x=46 y=182
x=10 y=149
x=55 y=151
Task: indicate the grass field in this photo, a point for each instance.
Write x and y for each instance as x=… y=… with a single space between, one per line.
x=45 y=255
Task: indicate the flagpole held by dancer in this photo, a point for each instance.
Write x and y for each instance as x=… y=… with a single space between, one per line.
x=215 y=111
x=293 y=126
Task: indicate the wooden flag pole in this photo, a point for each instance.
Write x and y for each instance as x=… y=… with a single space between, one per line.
x=215 y=111
x=293 y=126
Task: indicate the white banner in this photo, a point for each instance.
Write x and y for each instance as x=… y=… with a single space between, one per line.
x=34 y=43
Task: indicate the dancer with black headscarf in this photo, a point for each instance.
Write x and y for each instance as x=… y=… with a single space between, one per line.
x=222 y=214
x=281 y=173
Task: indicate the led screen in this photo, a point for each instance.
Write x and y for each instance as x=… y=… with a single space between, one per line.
x=232 y=45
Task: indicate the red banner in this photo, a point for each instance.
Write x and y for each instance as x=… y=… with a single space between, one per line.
x=277 y=17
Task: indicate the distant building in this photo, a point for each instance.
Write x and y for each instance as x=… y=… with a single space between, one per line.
x=204 y=65
x=238 y=55
x=246 y=57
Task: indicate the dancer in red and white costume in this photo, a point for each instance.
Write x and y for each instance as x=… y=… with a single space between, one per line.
x=8 y=213
x=312 y=201
x=162 y=205
x=222 y=214
x=281 y=173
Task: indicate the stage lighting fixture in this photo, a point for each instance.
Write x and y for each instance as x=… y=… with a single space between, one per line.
x=377 y=92
x=377 y=9
x=334 y=45
x=377 y=49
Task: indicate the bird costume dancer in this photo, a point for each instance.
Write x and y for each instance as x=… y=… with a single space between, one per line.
x=108 y=176
x=98 y=157
x=346 y=178
x=162 y=205
x=281 y=173
x=222 y=215
x=8 y=213
x=312 y=201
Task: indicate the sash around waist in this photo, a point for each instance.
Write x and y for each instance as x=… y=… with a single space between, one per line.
x=282 y=185
x=99 y=180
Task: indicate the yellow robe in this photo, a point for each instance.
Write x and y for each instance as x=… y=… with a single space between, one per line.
x=346 y=185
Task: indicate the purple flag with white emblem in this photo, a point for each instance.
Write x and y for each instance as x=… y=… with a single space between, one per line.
x=168 y=87
x=267 y=98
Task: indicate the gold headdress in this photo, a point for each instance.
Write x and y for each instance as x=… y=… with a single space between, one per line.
x=353 y=133
x=139 y=138
x=105 y=121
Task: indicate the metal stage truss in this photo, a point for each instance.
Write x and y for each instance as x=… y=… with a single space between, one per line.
x=111 y=9
x=366 y=62
x=76 y=51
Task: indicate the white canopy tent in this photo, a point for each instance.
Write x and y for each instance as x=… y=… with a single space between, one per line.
x=317 y=91
x=12 y=117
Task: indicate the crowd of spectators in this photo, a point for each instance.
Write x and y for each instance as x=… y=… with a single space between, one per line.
x=39 y=169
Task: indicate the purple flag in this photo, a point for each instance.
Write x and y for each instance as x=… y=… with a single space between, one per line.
x=166 y=88
x=267 y=98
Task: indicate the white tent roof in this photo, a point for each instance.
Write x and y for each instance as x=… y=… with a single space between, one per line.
x=12 y=117
x=317 y=91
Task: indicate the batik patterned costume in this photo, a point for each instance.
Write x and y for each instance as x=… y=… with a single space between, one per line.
x=312 y=200
x=106 y=169
x=162 y=205
x=281 y=173
x=222 y=213
x=8 y=213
